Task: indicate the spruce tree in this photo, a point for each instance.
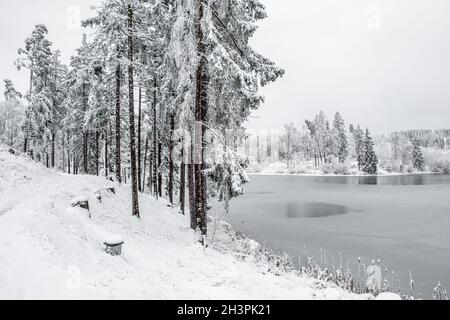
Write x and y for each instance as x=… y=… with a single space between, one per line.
x=370 y=158
x=342 y=143
x=11 y=115
x=358 y=136
x=36 y=56
x=417 y=156
x=134 y=173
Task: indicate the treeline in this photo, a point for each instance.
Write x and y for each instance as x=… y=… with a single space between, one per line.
x=427 y=138
x=147 y=71
x=330 y=142
x=335 y=147
x=11 y=116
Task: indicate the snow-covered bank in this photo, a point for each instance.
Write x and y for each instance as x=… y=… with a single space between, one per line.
x=49 y=250
x=307 y=168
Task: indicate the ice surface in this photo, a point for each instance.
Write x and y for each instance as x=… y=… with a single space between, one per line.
x=406 y=226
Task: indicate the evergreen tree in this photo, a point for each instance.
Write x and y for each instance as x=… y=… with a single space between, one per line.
x=342 y=144
x=417 y=157
x=370 y=158
x=358 y=136
x=36 y=56
x=193 y=68
x=209 y=44
x=134 y=173
x=11 y=114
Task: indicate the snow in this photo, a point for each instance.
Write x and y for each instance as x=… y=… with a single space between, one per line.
x=48 y=251
x=79 y=199
x=114 y=239
x=388 y=296
x=307 y=168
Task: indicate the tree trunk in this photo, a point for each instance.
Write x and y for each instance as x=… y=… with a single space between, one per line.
x=145 y=163
x=106 y=153
x=53 y=148
x=85 y=134
x=97 y=153
x=134 y=181
x=200 y=113
x=171 y=165
x=139 y=141
x=150 y=172
x=68 y=153
x=182 y=182
x=110 y=145
x=63 y=152
x=160 y=169
x=191 y=187
x=117 y=133
x=25 y=142
x=155 y=142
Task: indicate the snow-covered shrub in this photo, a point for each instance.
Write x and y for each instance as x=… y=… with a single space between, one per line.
x=247 y=249
x=441 y=167
x=437 y=160
x=440 y=293
x=333 y=166
x=227 y=173
x=370 y=278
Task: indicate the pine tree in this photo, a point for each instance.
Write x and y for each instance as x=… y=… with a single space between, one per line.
x=358 y=136
x=370 y=158
x=342 y=143
x=36 y=56
x=209 y=44
x=134 y=173
x=417 y=156
x=57 y=84
x=111 y=40
x=194 y=68
x=11 y=114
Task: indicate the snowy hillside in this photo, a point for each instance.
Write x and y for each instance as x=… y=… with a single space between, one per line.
x=50 y=250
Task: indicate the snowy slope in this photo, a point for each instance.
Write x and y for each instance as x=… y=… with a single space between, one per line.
x=49 y=250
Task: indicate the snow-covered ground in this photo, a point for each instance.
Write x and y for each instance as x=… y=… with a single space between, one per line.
x=49 y=250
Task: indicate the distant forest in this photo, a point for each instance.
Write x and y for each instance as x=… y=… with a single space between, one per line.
x=338 y=148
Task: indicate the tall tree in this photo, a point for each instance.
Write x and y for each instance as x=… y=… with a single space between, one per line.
x=11 y=114
x=118 y=136
x=36 y=56
x=358 y=136
x=134 y=175
x=417 y=156
x=182 y=199
x=370 y=158
x=339 y=127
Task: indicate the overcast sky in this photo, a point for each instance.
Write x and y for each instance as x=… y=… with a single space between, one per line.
x=384 y=64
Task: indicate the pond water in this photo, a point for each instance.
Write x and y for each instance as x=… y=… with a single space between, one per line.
x=402 y=220
x=403 y=180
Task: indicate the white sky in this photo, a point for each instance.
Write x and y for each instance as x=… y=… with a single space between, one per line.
x=382 y=63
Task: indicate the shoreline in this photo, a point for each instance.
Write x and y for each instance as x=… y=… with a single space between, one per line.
x=397 y=174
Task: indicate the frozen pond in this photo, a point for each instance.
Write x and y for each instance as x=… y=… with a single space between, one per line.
x=403 y=220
